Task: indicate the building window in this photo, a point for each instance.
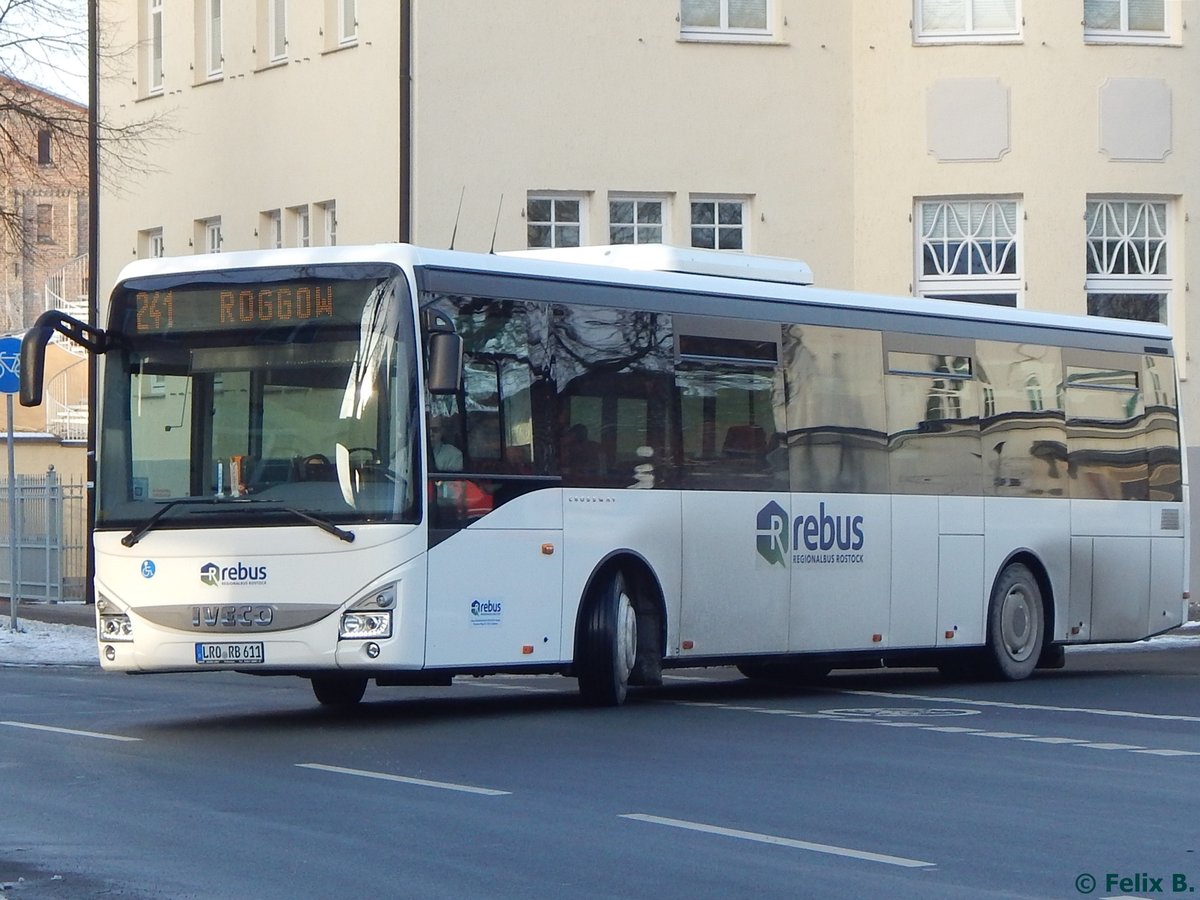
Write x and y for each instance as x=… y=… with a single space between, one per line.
x=724 y=18
x=299 y=232
x=154 y=44
x=45 y=154
x=633 y=220
x=1125 y=20
x=210 y=235
x=214 y=53
x=277 y=26
x=328 y=211
x=940 y=21
x=45 y=223
x=719 y=224
x=347 y=21
x=554 y=221
x=1128 y=273
x=969 y=249
x=150 y=244
x=270 y=230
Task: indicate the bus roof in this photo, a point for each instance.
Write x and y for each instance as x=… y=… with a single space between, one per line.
x=656 y=269
x=682 y=260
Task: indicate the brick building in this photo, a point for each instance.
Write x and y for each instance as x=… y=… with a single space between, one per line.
x=43 y=181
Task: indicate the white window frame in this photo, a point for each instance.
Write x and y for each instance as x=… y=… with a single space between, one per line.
x=213 y=238
x=154 y=59
x=560 y=227
x=347 y=21
x=214 y=50
x=277 y=15
x=721 y=230
x=328 y=211
x=270 y=229
x=299 y=227
x=970 y=33
x=723 y=31
x=967 y=233
x=1123 y=34
x=1129 y=249
x=151 y=244
x=642 y=231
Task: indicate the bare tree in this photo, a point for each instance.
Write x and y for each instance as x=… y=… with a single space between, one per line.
x=42 y=42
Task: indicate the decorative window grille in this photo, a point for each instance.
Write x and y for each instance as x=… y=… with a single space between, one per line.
x=1128 y=273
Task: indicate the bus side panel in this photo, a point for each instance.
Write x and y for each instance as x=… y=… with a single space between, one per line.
x=1043 y=528
x=603 y=522
x=914 y=572
x=735 y=572
x=1119 y=559
x=1166 y=583
x=841 y=572
x=495 y=588
x=961 y=615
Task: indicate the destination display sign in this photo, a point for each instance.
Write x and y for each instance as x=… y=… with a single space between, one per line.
x=253 y=306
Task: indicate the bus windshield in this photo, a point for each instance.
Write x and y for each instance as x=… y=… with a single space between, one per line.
x=265 y=397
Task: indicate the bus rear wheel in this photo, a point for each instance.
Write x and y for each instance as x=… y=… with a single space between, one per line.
x=1016 y=624
x=607 y=643
x=338 y=690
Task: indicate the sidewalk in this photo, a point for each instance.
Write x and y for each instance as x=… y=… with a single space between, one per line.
x=62 y=613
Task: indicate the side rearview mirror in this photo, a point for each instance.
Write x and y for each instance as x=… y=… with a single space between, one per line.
x=445 y=363
x=33 y=363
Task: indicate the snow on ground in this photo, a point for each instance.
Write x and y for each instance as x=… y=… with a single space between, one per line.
x=47 y=644
x=51 y=644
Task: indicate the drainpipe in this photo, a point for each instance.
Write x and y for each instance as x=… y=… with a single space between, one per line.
x=406 y=123
x=93 y=238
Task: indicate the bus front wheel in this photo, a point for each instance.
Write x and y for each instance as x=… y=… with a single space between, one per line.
x=1016 y=624
x=607 y=643
x=338 y=690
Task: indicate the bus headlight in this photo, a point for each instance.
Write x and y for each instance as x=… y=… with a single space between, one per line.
x=115 y=628
x=370 y=616
x=361 y=625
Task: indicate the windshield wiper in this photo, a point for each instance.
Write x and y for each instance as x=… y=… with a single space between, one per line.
x=140 y=532
x=323 y=524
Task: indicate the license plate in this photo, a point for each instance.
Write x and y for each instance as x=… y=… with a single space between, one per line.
x=229 y=654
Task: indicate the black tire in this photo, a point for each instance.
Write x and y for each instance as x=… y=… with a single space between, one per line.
x=606 y=648
x=338 y=690
x=1016 y=626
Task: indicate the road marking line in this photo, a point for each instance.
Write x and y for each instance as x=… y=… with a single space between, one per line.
x=950 y=729
x=1120 y=713
x=953 y=729
x=780 y=841
x=74 y=731
x=1169 y=752
x=404 y=779
x=1054 y=740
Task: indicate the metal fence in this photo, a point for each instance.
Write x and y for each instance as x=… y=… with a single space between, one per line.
x=51 y=537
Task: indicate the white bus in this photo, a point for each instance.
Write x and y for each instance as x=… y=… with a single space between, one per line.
x=400 y=464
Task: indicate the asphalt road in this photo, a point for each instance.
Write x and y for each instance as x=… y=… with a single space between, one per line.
x=886 y=784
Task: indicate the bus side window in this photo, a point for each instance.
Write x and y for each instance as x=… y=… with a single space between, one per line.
x=836 y=430
x=933 y=416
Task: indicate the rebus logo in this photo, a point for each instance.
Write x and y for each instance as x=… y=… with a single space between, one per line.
x=239 y=573
x=827 y=538
x=773 y=534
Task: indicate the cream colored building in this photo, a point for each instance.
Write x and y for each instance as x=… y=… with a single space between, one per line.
x=1038 y=154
